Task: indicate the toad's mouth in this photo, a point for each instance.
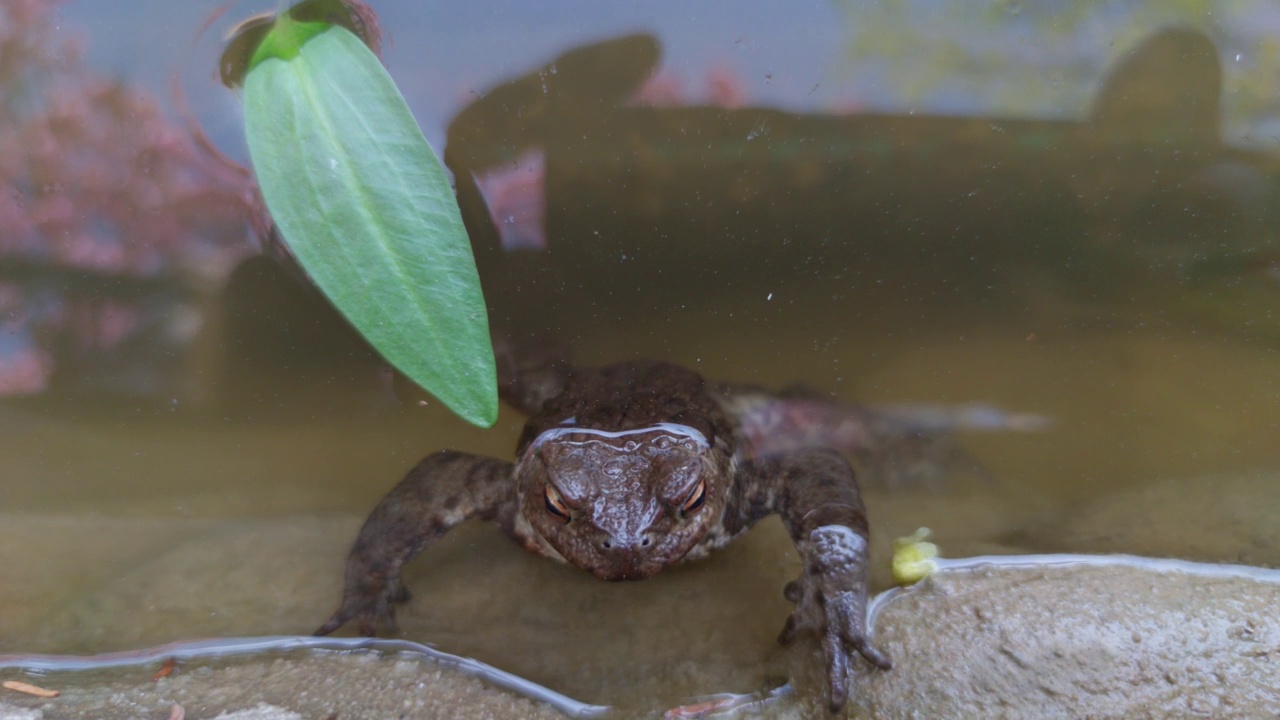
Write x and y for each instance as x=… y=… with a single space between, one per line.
x=626 y=571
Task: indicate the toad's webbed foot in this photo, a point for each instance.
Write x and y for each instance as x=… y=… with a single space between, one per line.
x=372 y=604
x=831 y=602
x=440 y=492
x=816 y=493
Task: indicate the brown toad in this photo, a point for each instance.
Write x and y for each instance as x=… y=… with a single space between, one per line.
x=622 y=471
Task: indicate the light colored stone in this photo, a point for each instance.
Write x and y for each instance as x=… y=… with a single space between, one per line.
x=285 y=688
x=9 y=712
x=261 y=711
x=1074 y=641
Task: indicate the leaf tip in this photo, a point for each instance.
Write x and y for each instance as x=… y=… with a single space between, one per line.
x=480 y=410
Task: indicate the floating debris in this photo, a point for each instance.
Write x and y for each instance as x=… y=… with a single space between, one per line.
x=29 y=689
x=166 y=669
x=914 y=558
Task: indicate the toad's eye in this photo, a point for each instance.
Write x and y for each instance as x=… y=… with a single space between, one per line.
x=555 y=504
x=695 y=499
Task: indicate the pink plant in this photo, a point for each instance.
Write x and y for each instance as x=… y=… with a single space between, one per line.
x=96 y=182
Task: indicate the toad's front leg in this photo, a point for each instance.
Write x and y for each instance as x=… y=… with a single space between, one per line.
x=817 y=496
x=440 y=492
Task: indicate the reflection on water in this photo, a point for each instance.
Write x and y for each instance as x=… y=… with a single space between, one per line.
x=705 y=199
x=115 y=221
x=1112 y=268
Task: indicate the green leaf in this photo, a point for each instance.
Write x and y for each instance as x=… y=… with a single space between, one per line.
x=366 y=207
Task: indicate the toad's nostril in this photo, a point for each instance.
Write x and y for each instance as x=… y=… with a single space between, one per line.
x=625 y=542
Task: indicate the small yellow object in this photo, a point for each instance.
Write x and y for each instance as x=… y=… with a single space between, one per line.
x=913 y=557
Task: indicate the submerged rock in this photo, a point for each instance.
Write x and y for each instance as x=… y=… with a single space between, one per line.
x=1210 y=518
x=277 y=688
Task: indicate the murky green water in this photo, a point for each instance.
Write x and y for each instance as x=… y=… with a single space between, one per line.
x=1120 y=283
